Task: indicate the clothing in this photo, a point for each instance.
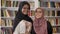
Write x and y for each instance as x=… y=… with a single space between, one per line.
x=40 y=23
x=40 y=26
x=20 y=16
x=24 y=27
x=49 y=28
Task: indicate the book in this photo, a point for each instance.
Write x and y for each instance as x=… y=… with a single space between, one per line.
x=3 y=22
x=52 y=4
x=46 y=13
x=58 y=13
x=8 y=3
x=9 y=22
x=3 y=3
x=16 y=3
x=53 y=13
x=48 y=4
x=50 y=13
x=57 y=4
x=52 y=21
x=2 y=31
x=58 y=30
x=14 y=13
x=2 y=14
x=9 y=13
x=32 y=4
x=58 y=21
x=54 y=30
x=6 y=30
x=32 y=13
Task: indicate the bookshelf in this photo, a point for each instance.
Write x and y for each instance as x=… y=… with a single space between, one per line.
x=52 y=13
x=8 y=11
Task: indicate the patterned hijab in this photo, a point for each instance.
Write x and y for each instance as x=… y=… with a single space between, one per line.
x=40 y=25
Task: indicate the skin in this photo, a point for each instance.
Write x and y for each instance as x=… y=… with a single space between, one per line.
x=25 y=9
x=38 y=13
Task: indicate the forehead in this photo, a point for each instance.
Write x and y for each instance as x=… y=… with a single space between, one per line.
x=25 y=5
x=39 y=9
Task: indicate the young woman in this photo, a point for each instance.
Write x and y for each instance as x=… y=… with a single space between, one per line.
x=22 y=22
x=41 y=25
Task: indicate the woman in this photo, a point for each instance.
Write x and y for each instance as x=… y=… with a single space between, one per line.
x=22 y=22
x=41 y=25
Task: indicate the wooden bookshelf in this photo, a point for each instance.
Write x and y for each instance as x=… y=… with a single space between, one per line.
x=9 y=9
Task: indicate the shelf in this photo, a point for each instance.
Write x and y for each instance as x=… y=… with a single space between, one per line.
x=46 y=8
x=49 y=16
x=50 y=0
x=5 y=26
x=13 y=8
x=52 y=16
x=56 y=25
x=56 y=33
x=8 y=17
x=22 y=0
x=10 y=8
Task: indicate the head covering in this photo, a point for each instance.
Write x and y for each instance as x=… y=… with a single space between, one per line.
x=40 y=25
x=20 y=16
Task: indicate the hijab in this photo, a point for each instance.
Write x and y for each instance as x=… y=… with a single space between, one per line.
x=40 y=25
x=20 y=16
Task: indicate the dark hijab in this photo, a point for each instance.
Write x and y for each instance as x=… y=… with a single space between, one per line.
x=20 y=16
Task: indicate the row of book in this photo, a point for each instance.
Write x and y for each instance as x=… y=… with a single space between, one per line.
x=7 y=13
x=54 y=21
x=52 y=13
x=10 y=13
x=46 y=13
x=14 y=3
x=9 y=22
x=56 y=29
x=50 y=4
x=6 y=22
x=6 y=31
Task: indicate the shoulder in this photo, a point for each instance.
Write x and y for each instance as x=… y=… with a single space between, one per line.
x=26 y=22
x=48 y=23
x=49 y=27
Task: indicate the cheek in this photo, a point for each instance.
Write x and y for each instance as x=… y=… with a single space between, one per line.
x=22 y=10
x=38 y=15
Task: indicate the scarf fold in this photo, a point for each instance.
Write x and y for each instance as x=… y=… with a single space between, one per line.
x=40 y=26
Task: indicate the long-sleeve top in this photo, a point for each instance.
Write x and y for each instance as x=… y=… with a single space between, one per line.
x=24 y=27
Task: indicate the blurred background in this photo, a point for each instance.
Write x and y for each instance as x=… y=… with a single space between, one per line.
x=8 y=10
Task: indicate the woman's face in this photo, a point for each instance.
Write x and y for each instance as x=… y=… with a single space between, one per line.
x=38 y=13
x=25 y=9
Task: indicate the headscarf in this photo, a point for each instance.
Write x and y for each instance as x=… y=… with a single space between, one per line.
x=20 y=16
x=40 y=24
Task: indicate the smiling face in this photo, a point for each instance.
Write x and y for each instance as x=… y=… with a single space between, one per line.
x=25 y=9
x=39 y=13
